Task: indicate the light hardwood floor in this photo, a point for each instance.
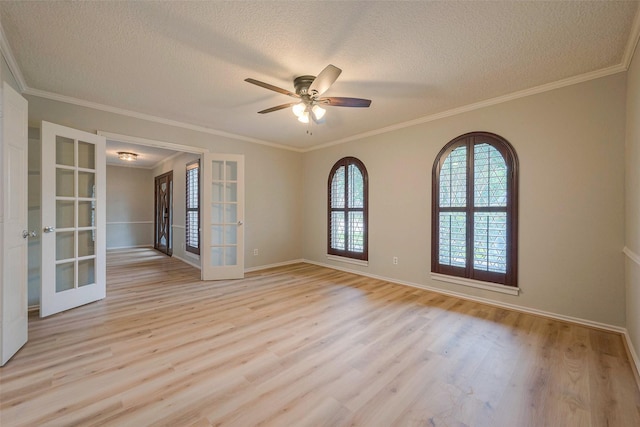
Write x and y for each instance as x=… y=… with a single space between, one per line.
x=303 y=345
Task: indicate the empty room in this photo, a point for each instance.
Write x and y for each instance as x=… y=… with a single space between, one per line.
x=284 y=213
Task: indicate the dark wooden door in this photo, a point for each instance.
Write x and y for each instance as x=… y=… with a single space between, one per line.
x=163 y=213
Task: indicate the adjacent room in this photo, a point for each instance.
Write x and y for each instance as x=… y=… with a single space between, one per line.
x=320 y=213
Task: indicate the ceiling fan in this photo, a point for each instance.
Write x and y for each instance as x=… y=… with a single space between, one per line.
x=308 y=91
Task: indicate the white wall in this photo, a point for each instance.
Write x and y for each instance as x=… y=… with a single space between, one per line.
x=570 y=144
x=632 y=199
x=129 y=207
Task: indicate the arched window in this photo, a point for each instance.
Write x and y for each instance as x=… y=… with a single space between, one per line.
x=347 y=209
x=475 y=209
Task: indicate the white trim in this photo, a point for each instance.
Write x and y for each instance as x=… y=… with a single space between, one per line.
x=194 y=257
x=482 y=104
x=186 y=261
x=117 y=248
x=632 y=42
x=633 y=356
x=151 y=142
x=632 y=255
x=348 y=260
x=634 y=37
x=511 y=290
x=143 y=116
x=178 y=226
x=278 y=264
x=129 y=222
x=7 y=53
x=515 y=307
x=131 y=166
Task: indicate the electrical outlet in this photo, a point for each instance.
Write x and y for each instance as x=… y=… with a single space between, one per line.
x=395 y=260
x=255 y=252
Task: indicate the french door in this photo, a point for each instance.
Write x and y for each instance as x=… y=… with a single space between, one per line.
x=222 y=252
x=73 y=218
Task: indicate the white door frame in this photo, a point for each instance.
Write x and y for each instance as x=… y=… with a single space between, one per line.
x=161 y=144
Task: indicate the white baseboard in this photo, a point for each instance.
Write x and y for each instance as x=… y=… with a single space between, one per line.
x=278 y=264
x=635 y=361
x=515 y=307
x=117 y=248
x=186 y=261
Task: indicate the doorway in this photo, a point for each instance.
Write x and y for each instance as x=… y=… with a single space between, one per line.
x=163 y=216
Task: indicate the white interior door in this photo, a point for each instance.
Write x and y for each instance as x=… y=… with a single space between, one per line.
x=73 y=218
x=222 y=252
x=13 y=223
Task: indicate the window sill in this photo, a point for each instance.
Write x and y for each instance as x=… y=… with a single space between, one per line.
x=348 y=260
x=488 y=286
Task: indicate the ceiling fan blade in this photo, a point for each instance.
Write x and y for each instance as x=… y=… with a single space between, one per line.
x=324 y=80
x=276 y=108
x=345 y=102
x=271 y=87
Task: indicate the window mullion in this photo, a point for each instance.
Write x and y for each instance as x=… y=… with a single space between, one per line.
x=346 y=206
x=470 y=206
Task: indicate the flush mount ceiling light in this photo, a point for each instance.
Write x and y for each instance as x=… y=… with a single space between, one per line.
x=127 y=156
x=308 y=90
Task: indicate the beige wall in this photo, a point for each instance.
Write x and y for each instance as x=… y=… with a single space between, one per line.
x=178 y=166
x=570 y=144
x=129 y=207
x=632 y=199
x=272 y=176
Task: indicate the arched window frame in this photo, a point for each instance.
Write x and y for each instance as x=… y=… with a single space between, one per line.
x=509 y=278
x=346 y=162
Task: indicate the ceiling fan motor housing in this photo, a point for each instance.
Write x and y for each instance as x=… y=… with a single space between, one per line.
x=302 y=83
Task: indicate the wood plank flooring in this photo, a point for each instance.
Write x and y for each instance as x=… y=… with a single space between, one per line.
x=303 y=345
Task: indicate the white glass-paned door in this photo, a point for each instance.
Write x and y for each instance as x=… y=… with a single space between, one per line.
x=73 y=218
x=222 y=254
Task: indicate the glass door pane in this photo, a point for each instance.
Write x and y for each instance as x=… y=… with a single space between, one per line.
x=75 y=214
x=224 y=217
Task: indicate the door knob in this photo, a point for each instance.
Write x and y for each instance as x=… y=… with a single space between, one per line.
x=240 y=222
x=49 y=229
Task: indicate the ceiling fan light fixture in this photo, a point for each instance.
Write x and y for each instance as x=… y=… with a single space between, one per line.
x=127 y=156
x=304 y=117
x=298 y=109
x=318 y=112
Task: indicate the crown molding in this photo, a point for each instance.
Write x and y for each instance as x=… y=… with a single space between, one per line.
x=152 y=142
x=632 y=42
x=482 y=104
x=11 y=60
x=149 y=117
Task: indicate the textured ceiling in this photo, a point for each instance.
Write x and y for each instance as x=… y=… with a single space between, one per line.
x=186 y=61
x=148 y=157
